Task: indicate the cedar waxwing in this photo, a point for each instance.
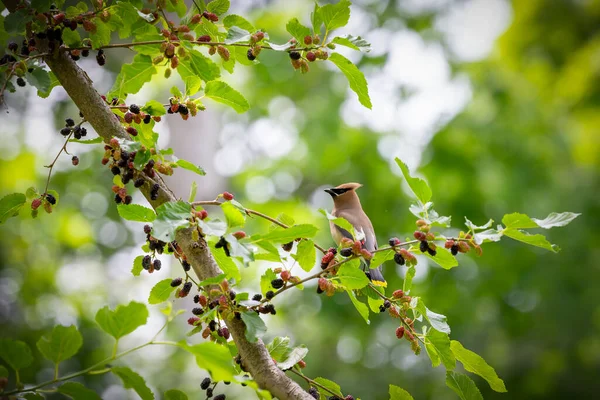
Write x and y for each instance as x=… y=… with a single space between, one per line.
x=346 y=204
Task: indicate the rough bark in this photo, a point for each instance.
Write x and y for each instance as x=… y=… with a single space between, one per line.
x=255 y=356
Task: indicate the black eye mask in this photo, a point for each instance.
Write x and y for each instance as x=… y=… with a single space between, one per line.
x=337 y=191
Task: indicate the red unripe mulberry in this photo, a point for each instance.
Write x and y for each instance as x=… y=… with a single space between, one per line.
x=36 y=203
x=227 y=196
x=239 y=235
x=400 y=332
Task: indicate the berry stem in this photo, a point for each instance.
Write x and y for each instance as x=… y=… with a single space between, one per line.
x=63 y=148
x=312 y=382
x=150 y=42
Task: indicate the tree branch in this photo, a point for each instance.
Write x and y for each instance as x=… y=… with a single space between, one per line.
x=80 y=89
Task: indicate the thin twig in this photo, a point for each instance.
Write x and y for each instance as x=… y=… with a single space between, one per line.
x=312 y=382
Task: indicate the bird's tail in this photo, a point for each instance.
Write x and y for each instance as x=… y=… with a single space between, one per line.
x=377 y=277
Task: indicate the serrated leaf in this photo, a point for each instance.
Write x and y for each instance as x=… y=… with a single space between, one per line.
x=556 y=219
x=265 y=281
x=39 y=78
x=297 y=30
x=221 y=92
x=474 y=227
x=233 y=215
x=255 y=326
x=463 y=386
x=373 y=299
x=123 y=320
x=176 y=6
x=77 y=391
x=236 y=20
x=353 y=42
x=192 y=85
x=355 y=77
x=534 y=240
x=381 y=257
x=474 y=363
x=15 y=353
x=408 y=278
x=362 y=309
x=63 y=343
x=335 y=15
x=175 y=394
x=213 y=227
x=96 y=140
x=315 y=19
x=15 y=22
x=351 y=276
x=279 y=348
x=202 y=66
x=133 y=76
x=101 y=37
x=132 y=380
x=418 y=186
x=170 y=217
x=332 y=386
x=306 y=255
x=443 y=258
x=190 y=167
x=397 y=393
x=53 y=83
x=489 y=235
x=438 y=346
x=10 y=205
x=71 y=38
x=518 y=221
x=236 y=34
x=137 y=268
x=214 y=358
x=154 y=108
x=218 y=6
x=296 y=354
x=287 y=235
x=437 y=321
x=161 y=292
x=136 y=212
x=226 y=264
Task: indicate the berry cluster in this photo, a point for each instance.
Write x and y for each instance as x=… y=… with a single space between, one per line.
x=300 y=62
x=77 y=130
x=326 y=286
x=463 y=244
x=185 y=109
x=354 y=247
x=403 y=300
x=47 y=201
x=329 y=258
x=209 y=386
x=425 y=237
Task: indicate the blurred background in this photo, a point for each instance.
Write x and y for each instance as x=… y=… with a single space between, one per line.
x=496 y=103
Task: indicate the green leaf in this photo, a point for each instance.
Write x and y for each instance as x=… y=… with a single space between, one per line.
x=71 y=38
x=132 y=380
x=137 y=268
x=221 y=92
x=213 y=281
x=351 y=276
x=373 y=299
x=133 y=76
x=474 y=227
x=213 y=227
x=236 y=20
x=214 y=358
x=315 y=19
x=354 y=42
x=517 y=220
x=265 y=281
x=339 y=221
x=154 y=108
x=280 y=47
x=64 y=342
x=335 y=15
x=397 y=393
x=101 y=37
x=177 y=6
x=192 y=85
x=556 y=219
x=190 y=167
x=41 y=5
x=306 y=255
x=33 y=396
x=161 y=292
x=236 y=34
x=463 y=386
x=123 y=320
x=136 y=212
x=15 y=353
x=226 y=264
x=418 y=186
x=474 y=363
x=170 y=217
x=175 y=394
x=218 y=6
x=15 y=22
x=489 y=235
x=10 y=205
x=279 y=348
x=534 y=240
x=53 y=83
x=3 y=372
x=381 y=257
x=202 y=66
x=410 y=274
x=443 y=258
x=297 y=30
x=292 y=357
x=437 y=321
x=355 y=77
x=193 y=190
x=255 y=326
x=362 y=309
x=332 y=386
x=77 y=391
x=233 y=215
x=287 y=235
x=439 y=343
x=39 y=78
x=96 y=140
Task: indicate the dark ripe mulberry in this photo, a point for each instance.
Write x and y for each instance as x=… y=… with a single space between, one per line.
x=205 y=383
x=209 y=392
x=139 y=182
x=118 y=199
x=212 y=325
x=183 y=110
x=387 y=304
x=347 y=252
x=65 y=131
x=154 y=191
x=75 y=160
x=257 y=297
x=12 y=46
x=83 y=132
x=220 y=397
x=85 y=53
x=294 y=55
x=277 y=283
x=187 y=286
x=381 y=308
x=175 y=282
x=186 y=265
x=269 y=295
x=398 y=259
x=134 y=108
x=314 y=393
x=147 y=118
x=115 y=170
x=232 y=295
x=423 y=246
x=157 y=265
x=432 y=252
x=69 y=122
x=287 y=246
x=21 y=82
x=147 y=262
x=197 y=298
x=50 y=199
x=132 y=131
x=197 y=311
x=250 y=55
x=128 y=117
x=147 y=229
x=127 y=200
x=100 y=58
x=454 y=249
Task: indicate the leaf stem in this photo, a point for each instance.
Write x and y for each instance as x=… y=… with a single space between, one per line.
x=312 y=382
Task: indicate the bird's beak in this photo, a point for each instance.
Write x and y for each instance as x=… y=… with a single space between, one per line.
x=331 y=192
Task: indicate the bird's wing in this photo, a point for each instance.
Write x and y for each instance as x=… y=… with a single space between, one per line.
x=360 y=223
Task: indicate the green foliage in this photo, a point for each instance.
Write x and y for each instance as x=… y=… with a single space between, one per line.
x=133 y=76
x=123 y=319
x=10 y=205
x=15 y=353
x=255 y=326
x=175 y=394
x=419 y=187
x=77 y=391
x=463 y=386
x=170 y=217
x=438 y=348
x=351 y=276
x=397 y=393
x=362 y=309
x=161 y=292
x=355 y=77
x=476 y=364
x=332 y=387
x=132 y=380
x=135 y=212
x=306 y=254
x=223 y=93
x=63 y=343
x=214 y=358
